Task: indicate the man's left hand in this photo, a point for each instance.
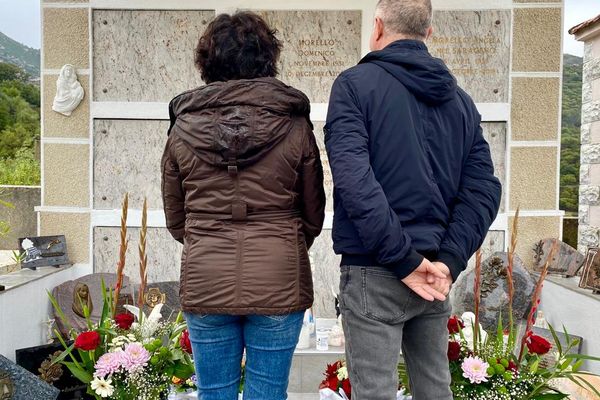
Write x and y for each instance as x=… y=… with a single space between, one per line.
x=443 y=285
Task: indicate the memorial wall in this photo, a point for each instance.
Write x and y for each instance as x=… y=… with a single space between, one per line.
x=133 y=56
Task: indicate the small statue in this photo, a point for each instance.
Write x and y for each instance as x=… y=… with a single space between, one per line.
x=154 y=296
x=81 y=296
x=69 y=92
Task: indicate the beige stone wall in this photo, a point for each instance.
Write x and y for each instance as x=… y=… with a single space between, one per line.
x=65 y=140
x=589 y=191
x=142 y=54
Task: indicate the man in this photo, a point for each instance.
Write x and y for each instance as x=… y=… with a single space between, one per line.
x=415 y=195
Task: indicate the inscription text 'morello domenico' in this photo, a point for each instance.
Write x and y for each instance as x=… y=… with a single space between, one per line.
x=317 y=58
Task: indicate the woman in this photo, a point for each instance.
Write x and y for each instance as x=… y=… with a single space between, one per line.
x=243 y=190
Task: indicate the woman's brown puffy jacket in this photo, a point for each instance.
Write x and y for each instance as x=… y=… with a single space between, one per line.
x=243 y=190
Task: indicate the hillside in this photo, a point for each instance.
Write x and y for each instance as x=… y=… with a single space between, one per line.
x=18 y=54
x=570 y=142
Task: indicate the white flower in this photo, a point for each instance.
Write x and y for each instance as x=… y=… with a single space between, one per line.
x=148 y=324
x=467 y=332
x=342 y=373
x=102 y=387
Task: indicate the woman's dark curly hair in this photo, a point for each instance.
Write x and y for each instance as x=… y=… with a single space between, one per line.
x=238 y=46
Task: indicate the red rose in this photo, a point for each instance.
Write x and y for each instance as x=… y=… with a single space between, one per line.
x=453 y=351
x=538 y=345
x=184 y=341
x=124 y=320
x=87 y=341
x=455 y=324
x=347 y=388
x=512 y=366
x=332 y=370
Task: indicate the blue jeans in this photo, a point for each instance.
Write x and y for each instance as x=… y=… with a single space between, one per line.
x=218 y=343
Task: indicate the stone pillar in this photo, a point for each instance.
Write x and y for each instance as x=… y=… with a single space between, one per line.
x=535 y=122
x=589 y=177
x=65 y=148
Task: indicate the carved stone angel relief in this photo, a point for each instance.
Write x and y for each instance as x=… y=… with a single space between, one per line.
x=69 y=91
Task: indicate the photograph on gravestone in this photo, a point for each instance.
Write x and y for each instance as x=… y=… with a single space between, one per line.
x=166 y=293
x=317 y=47
x=87 y=289
x=590 y=277
x=43 y=251
x=16 y=383
x=476 y=47
x=39 y=361
x=567 y=261
x=494 y=297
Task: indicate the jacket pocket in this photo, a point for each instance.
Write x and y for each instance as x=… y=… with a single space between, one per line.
x=384 y=297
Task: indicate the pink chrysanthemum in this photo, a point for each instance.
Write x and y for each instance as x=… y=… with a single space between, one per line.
x=475 y=369
x=107 y=364
x=135 y=357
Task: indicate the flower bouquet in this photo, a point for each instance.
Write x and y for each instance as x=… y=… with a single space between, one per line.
x=502 y=366
x=128 y=355
x=336 y=385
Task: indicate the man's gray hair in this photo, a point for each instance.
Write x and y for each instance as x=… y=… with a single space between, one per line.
x=411 y=18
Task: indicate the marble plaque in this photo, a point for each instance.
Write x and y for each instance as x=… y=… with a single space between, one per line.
x=145 y=55
x=476 y=47
x=317 y=47
x=164 y=253
x=327 y=176
x=127 y=156
x=326 y=274
x=495 y=134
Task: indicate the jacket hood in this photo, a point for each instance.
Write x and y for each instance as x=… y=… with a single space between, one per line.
x=236 y=121
x=409 y=61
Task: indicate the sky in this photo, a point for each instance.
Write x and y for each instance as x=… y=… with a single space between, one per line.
x=20 y=19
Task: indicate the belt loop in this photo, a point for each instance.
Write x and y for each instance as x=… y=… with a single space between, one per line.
x=232 y=168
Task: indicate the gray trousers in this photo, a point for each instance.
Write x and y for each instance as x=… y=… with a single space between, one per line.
x=381 y=317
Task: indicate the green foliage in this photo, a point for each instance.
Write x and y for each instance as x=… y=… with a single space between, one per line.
x=570 y=142
x=19 y=127
x=18 y=54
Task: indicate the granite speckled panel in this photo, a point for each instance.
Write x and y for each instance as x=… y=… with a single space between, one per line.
x=127 y=156
x=327 y=177
x=145 y=55
x=494 y=241
x=75 y=227
x=535 y=105
x=495 y=134
x=317 y=47
x=77 y=125
x=476 y=47
x=326 y=274
x=164 y=253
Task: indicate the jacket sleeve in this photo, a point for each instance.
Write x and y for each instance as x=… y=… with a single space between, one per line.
x=359 y=192
x=172 y=192
x=313 y=193
x=475 y=206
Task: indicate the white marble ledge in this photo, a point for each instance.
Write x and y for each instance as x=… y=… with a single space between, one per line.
x=572 y=284
x=24 y=276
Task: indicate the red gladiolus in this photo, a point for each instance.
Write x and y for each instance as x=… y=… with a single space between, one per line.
x=184 y=341
x=87 y=341
x=453 y=351
x=537 y=344
x=347 y=388
x=455 y=324
x=124 y=320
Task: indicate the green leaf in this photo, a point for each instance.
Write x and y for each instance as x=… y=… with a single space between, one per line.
x=582 y=357
x=182 y=370
x=534 y=366
x=79 y=373
x=556 y=340
x=64 y=354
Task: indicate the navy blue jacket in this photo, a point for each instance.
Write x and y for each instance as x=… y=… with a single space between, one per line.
x=412 y=172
